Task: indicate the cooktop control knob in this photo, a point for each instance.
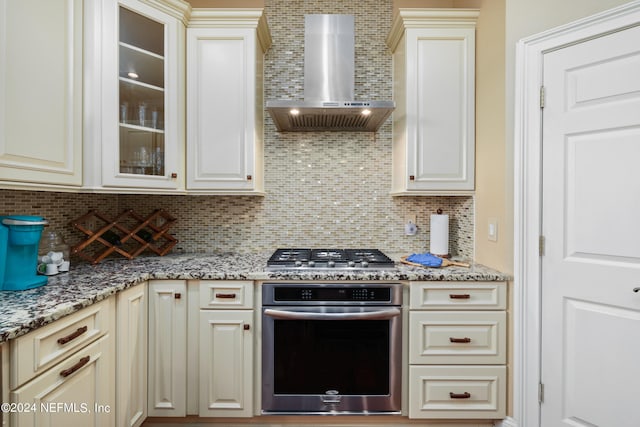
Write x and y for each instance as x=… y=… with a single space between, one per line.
x=311 y=263
x=331 y=263
x=351 y=264
x=298 y=263
x=365 y=264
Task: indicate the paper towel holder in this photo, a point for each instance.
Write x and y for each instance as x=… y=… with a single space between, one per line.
x=438 y=251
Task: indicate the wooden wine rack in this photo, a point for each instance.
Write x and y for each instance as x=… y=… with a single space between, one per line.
x=129 y=234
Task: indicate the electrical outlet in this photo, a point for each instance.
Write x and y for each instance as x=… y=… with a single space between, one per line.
x=492 y=229
x=410 y=227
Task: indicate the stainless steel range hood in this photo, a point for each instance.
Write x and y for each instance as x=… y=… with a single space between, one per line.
x=329 y=65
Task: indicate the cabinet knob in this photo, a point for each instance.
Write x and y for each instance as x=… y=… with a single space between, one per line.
x=177 y=295
x=412 y=177
x=246 y=327
x=636 y=289
x=249 y=177
x=174 y=175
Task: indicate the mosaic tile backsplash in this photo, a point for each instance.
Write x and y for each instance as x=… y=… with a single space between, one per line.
x=323 y=189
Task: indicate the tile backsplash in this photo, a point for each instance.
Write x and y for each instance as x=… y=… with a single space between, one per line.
x=323 y=189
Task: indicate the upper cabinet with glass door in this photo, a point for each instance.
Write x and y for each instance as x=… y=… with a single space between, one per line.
x=141 y=90
x=137 y=141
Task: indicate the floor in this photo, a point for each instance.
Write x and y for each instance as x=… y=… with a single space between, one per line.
x=293 y=421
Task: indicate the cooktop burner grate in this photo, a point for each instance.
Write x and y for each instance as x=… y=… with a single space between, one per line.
x=348 y=259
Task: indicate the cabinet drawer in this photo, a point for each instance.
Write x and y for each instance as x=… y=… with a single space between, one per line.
x=458 y=296
x=75 y=392
x=477 y=392
x=226 y=294
x=462 y=337
x=38 y=350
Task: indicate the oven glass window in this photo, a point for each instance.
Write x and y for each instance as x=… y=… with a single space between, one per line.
x=315 y=356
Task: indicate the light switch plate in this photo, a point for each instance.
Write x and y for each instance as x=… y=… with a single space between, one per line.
x=492 y=229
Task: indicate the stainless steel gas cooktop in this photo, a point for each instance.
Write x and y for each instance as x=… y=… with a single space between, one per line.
x=334 y=259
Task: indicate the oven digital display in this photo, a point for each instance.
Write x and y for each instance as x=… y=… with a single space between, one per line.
x=317 y=293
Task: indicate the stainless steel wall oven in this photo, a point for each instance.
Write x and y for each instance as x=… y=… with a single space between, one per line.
x=331 y=348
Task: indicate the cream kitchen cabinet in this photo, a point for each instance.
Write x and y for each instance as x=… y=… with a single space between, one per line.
x=457 y=350
x=167 y=389
x=131 y=356
x=434 y=90
x=134 y=86
x=64 y=371
x=225 y=51
x=41 y=94
x=226 y=334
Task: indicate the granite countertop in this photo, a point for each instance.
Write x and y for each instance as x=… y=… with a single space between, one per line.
x=23 y=311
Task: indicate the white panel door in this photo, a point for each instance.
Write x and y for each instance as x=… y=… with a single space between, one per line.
x=441 y=147
x=131 y=356
x=167 y=348
x=591 y=221
x=220 y=120
x=226 y=361
x=41 y=91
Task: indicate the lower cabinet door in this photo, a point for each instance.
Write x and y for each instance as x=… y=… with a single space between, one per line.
x=76 y=392
x=226 y=363
x=461 y=392
x=131 y=357
x=167 y=393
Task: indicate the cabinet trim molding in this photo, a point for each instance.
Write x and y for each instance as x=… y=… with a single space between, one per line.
x=233 y=18
x=179 y=9
x=418 y=18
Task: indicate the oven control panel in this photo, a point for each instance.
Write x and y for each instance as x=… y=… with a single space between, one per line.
x=331 y=293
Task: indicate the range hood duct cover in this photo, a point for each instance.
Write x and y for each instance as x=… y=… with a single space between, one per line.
x=329 y=66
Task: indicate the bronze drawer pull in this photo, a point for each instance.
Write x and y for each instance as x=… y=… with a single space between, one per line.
x=72 y=336
x=464 y=395
x=459 y=296
x=460 y=340
x=226 y=296
x=83 y=361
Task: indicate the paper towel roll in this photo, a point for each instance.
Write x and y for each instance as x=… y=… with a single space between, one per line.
x=439 y=243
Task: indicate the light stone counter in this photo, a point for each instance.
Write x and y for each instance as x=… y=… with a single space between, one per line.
x=23 y=311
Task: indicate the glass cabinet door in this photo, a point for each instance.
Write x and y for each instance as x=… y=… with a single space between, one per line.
x=141 y=94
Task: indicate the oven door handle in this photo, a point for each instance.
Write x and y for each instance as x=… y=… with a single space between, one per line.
x=367 y=315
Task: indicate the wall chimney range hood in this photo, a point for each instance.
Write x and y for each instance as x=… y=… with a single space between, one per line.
x=329 y=65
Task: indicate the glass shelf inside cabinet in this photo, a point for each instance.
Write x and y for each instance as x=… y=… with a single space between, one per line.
x=142 y=94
